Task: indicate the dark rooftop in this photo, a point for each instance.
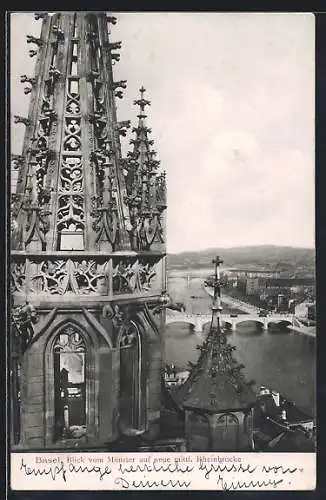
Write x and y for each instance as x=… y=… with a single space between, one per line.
x=216 y=382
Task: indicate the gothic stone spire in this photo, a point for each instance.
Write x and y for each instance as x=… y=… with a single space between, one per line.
x=216 y=383
x=71 y=188
x=73 y=256
x=146 y=187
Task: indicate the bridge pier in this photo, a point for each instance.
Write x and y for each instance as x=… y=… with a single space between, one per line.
x=234 y=325
x=198 y=325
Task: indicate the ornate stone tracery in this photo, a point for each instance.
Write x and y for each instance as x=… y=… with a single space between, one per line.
x=69 y=340
x=82 y=276
x=71 y=209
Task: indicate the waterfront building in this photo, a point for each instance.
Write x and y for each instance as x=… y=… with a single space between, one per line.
x=290 y=282
x=251 y=273
x=88 y=250
x=302 y=309
x=279 y=425
x=255 y=285
x=312 y=312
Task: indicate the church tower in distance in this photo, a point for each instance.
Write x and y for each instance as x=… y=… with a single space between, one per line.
x=87 y=250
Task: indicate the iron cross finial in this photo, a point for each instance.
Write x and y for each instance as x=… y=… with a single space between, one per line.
x=217 y=261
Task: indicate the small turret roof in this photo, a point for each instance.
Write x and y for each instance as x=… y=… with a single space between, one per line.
x=216 y=382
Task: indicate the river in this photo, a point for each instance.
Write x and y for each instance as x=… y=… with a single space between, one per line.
x=280 y=358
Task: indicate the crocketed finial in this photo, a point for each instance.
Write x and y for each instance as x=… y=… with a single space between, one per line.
x=142 y=102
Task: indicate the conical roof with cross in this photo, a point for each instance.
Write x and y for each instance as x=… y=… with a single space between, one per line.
x=216 y=382
x=146 y=186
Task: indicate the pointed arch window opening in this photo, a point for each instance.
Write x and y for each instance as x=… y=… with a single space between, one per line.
x=75 y=27
x=55 y=44
x=70 y=356
x=74 y=54
x=71 y=239
x=71 y=225
x=14 y=180
x=74 y=59
x=92 y=30
x=230 y=430
x=199 y=431
x=131 y=391
x=98 y=57
x=226 y=419
x=54 y=54
x=73 y=87
x=74 y=49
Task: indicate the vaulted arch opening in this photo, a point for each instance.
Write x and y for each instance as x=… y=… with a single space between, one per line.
x=69 y=363
x=72 y=370
x=198 y=431
x=227 y=432
x=131 y=394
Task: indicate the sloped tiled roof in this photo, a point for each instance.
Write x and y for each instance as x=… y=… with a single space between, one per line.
x=216 y=382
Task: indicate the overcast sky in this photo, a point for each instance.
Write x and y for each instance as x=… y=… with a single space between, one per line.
x=232 y=117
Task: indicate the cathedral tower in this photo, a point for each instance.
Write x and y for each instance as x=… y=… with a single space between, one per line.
x=88 y=250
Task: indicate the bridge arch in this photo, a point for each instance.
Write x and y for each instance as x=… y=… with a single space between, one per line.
x=258 y=321
x=196 y=320
x=188 y=321
x=286 y=322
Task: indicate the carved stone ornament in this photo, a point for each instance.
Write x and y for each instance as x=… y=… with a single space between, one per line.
x=115 y=313
x=23 y=318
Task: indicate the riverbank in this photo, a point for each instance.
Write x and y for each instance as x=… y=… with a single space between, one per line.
x=310 y=331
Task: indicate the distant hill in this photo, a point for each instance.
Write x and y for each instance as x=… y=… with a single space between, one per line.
x=300 y=260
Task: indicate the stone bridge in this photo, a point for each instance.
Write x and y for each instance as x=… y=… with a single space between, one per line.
x=199 y=320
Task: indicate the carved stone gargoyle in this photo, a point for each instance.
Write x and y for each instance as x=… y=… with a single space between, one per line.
x=21 y=119
x=120 y=84
x=111 y=19
x=114 y=45
x=121 y=127
x=33 y=39
x=40 y=15
x=115 y=313
x=23 y=318
x=57 y=31
x=27 y=79
x=164 y=302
